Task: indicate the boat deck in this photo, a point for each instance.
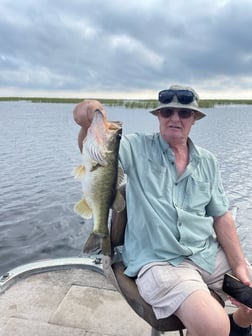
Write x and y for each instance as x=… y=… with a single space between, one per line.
x=76 y=302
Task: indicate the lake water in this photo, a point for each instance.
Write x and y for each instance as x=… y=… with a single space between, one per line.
x=38 y=146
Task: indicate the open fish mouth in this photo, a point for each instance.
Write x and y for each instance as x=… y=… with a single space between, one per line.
x=98 y=135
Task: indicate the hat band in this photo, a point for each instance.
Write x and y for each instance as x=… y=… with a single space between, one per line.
x=183 y=96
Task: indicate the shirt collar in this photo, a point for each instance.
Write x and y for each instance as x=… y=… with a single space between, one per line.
x=165 y=147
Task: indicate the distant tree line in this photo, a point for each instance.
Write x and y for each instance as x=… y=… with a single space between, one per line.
x=128 y=103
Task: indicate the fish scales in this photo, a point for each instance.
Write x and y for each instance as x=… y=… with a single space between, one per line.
x=100 y=177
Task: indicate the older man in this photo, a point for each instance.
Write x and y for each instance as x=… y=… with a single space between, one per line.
x=180 y=238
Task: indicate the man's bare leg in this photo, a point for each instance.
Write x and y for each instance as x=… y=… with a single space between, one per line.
x=202 y=315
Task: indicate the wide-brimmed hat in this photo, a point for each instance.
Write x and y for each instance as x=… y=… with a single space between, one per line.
x=179 y=97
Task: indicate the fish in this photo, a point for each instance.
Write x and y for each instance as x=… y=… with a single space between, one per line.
x=101 y=177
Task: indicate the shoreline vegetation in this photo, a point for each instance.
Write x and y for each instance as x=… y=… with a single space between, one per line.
x=128 y=103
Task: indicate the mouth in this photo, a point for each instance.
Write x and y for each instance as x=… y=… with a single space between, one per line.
x=174 y=127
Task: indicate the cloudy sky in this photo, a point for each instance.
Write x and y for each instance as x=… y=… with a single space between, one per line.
x=125 y=48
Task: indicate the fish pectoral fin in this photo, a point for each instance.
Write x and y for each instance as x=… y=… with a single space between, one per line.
x=119 y=202
x=97 y=243
x=83 y=209
x=79 y=171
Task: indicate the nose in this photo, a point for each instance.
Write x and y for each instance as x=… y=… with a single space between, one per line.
x=175 y=115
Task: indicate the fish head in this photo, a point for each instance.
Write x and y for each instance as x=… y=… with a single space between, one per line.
x=114 y=133
x=103 y=137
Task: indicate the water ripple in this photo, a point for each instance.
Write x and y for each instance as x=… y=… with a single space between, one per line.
x=38 y=144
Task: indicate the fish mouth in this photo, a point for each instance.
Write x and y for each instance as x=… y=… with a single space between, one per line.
x=114 y=125
x=115 y=122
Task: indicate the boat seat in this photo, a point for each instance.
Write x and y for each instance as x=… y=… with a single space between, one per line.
x=114 y=271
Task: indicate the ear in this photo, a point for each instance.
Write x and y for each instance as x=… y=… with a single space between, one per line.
x=195 y=117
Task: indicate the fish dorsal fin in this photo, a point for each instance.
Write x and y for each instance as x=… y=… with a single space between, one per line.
x=83 y=209
x=119 y=202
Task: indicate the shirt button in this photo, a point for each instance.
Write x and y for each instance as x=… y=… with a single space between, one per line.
x=176 y=183
x=179 y=224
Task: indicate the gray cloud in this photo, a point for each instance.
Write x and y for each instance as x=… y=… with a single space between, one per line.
x=121 y=46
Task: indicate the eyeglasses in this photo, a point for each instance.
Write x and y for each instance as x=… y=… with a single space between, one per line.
x=183 y=96
x=183 y=114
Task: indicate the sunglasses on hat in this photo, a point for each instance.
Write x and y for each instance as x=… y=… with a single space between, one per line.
x=183 y=96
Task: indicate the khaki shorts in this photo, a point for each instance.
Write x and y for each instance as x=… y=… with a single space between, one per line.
x=165 y=287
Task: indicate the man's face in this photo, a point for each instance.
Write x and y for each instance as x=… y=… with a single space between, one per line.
x=175 y=124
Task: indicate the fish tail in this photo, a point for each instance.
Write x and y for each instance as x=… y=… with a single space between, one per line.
x=97 y=243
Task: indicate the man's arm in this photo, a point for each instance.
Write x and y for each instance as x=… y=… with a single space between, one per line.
x=228 y=238
x=83 y=114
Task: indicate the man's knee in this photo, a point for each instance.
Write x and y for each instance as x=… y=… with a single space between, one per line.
x=216 y=325
x=202 y=315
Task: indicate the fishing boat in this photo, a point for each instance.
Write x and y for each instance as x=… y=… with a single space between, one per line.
x=64 y=296
x=81 y=296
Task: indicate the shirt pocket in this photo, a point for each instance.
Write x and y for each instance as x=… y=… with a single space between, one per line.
x=154 y=179
x=197 y=196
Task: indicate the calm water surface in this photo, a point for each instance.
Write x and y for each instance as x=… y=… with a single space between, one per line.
x=38 y=146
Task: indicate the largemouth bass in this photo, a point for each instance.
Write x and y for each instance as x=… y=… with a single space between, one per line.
x=100 y=177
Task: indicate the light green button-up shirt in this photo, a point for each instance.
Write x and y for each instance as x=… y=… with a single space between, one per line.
x=169 y=217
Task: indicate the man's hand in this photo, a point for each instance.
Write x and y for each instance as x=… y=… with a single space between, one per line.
x=83 y=114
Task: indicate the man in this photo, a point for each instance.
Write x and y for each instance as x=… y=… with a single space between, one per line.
x=180 y=238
